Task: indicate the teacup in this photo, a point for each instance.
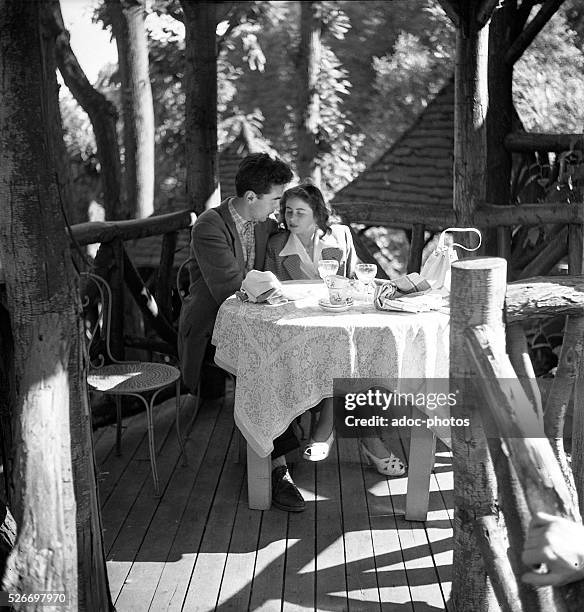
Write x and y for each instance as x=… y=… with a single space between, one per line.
x=339 y=289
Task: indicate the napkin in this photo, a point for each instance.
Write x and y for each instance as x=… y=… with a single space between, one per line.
x=261 y=287
x=404 y=285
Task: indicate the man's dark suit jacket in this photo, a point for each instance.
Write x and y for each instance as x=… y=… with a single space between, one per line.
x=216 y=272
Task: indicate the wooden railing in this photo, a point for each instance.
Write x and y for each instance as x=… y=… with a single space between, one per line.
x=420 y=218
x=113 y=263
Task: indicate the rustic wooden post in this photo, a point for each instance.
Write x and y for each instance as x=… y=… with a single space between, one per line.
x=416 y=248
x=529 y=451
x=470 y=110
x=562 y=387
x=578 y=437
x=575 y=248
x=164 y=276
x=499 y=122
x=117 y=305
x=477 y=297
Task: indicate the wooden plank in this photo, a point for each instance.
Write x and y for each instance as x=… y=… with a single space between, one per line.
x=439 y=527
x=140 y=584
x=174 y=581
x=362 y=587
x=331 y=582
x=132 y=531
x=300 y=578
x=268 y=582
x=206 y=577
x=112 y=468
x=235 y=591
x=127 y=476
x=422 y=576
x=389 y=562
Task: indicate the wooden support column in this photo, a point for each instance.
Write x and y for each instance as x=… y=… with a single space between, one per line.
x=117 y=305
x=499 y=122
x=477 y=298
x=416 y=247
x=470 y=110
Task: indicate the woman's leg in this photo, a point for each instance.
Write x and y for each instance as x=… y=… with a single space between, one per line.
x=324 y=426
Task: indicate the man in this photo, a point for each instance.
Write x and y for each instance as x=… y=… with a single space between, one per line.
x=557 y=542
x=226 y=243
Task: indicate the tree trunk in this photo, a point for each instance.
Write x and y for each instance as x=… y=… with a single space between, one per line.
x=42 y=303
x=201 y=104
x=50 y=411
x=309 y=55
x=102 y=114
x=127 y=17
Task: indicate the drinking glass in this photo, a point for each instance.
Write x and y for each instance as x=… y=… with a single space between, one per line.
x=366 y=273
x=327 y=267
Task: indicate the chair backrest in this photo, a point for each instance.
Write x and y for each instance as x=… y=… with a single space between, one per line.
x=100 y=329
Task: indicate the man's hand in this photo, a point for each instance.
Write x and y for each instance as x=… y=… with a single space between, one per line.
x=557 y=542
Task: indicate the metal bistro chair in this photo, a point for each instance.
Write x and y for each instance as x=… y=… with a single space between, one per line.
x=134 y=378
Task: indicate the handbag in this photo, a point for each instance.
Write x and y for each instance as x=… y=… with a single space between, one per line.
x=436 y=269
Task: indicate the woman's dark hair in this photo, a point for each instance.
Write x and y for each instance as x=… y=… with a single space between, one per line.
x=259 y=172
x=312 y=195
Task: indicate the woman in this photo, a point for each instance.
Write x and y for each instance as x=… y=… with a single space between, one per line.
x=294 y=255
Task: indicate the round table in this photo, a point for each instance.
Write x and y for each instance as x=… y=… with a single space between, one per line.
x=286 y=356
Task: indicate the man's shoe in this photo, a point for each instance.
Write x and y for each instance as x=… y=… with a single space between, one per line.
x=285 y=495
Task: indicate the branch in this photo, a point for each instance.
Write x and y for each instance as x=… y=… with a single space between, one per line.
x=522 y=15
x=532 y=29
x=486 y=10
x=450 y=7
x=493 y=546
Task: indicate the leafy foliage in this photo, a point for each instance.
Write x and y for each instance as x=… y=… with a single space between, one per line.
x=382 y=62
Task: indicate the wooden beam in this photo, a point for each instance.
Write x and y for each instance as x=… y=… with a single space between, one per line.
x=528 y=142
x=106 y=231
x=396 y=215
x=548 y=257
x=532 y=29
x=452 y=10
x=439 y=217
x=494 y=215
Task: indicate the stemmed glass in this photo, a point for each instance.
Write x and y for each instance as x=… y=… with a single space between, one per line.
x=366 y=273
x=327 y=267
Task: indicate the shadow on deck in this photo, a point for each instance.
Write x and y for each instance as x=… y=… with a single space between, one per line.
x=199 y=547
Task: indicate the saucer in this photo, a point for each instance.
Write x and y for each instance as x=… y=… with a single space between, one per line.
x=326 y=305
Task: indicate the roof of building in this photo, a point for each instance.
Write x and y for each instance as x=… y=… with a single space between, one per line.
x=417 y=168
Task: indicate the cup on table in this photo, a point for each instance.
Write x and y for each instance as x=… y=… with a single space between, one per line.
x=339 y=289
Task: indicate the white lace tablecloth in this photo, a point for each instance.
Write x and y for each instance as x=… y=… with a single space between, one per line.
x=285 y=357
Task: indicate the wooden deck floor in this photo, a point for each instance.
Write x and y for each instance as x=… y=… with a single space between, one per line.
x=199 y=547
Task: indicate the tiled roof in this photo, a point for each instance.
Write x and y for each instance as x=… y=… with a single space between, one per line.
x=145 y=252
x=417 y=169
